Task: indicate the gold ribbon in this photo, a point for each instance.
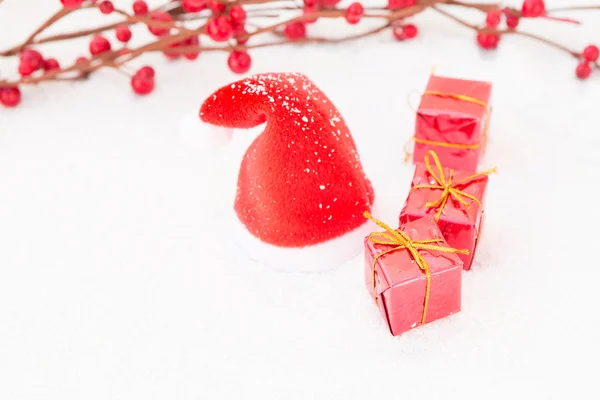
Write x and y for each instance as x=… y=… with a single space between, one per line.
x=459 y=97
x=449 y=188
x=456 y=96
x=401 y=241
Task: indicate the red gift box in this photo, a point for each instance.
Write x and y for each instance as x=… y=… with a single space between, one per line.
x=453 y=119
x=412 y=274
x=455 y=199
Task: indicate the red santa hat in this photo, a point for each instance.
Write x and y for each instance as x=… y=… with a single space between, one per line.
x=301 y=186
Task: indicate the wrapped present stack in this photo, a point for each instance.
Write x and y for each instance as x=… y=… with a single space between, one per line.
x=413 y=272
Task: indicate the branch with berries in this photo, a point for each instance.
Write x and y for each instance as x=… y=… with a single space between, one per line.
x=186 y=28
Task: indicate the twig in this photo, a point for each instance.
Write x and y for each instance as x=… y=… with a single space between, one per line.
x=573 y=8
x=505 y=32
x=479 y=6
x=546 y=41
x=456 y=19
x=175 y=41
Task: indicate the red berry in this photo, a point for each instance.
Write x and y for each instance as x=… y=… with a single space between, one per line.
x=106 y=7
x=51 y=64
x=30 y=61
x=99 y=44
x=72 y=4
x=141 y=84
x=410 y=31
x=310 y=3
x=354 y=13
x=237 y=14
x=398 y=4
x=583 y=70
x=191 y=56
x=193 y=41
x=193 y=5
x=216 y=6
x=591 y=53
x=238 y=29
x=404 y=32
x=32 y=56
x=140 y=7
x=533 y=8
x=395 y=4
x=123 y=33
x=295 y=31
x=26 y=69
x=239 y=32
x=146 y=72
x=239 y=62
x=162 y=17
x=493 y=18
x=172 y=55
x=512 y=20
x=310 y=10
x=10 y=97
x=488 y=41
x=80 y=60
x=219 y=29
x=242 y=39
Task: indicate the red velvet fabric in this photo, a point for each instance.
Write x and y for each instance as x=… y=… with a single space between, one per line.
x=301 y=181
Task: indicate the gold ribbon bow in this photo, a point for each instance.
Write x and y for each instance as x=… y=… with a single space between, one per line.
x=449 y=188
x=401 y=241
x=459 y=97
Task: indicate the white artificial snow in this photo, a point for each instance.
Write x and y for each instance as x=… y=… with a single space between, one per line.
x=201 y=135
x=120 y=277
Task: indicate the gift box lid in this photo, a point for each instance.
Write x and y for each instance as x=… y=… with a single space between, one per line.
x=440 y=105
x=398 y=267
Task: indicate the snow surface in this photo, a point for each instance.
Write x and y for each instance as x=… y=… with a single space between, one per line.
x=117 y=280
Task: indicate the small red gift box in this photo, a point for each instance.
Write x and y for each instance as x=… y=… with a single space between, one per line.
x=455 y=199
x=412 y=274
x=453 y=120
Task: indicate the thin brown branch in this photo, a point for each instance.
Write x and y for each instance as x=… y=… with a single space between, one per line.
x=454 y=18
x=572 y=8
x=63 y=12
x=314 y=39
x=180 y=32
x=508 y=32
x=85 y=32
x=129 y=20
x=546 y=41
x=478 y=6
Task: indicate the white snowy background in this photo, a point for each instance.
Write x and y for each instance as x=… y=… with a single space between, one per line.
x=117 y=281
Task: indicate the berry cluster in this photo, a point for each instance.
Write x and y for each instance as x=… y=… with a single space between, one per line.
x=142 y=82
x=589 y=57
x=489 y=37
x=225 y=26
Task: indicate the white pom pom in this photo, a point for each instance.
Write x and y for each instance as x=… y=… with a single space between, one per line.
x=318 y=258
x=322 y=257
x=202 y=135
